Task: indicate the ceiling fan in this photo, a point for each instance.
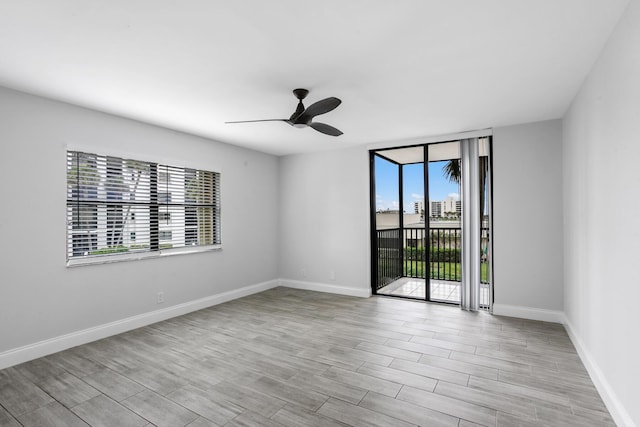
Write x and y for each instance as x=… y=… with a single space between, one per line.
x=303 y=117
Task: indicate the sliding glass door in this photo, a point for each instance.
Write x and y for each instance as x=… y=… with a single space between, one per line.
x=430 y=217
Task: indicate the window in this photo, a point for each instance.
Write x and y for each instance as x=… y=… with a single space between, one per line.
x=190 y=236
x=164 y=198
x=166 y=235
x=123 y=209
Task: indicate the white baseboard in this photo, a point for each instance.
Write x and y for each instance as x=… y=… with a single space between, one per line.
x=63 y=342
x=325 y=287
x=617 y=410
x=43 y=348
x=530 y=313
x=609 y=397
x=52 y=345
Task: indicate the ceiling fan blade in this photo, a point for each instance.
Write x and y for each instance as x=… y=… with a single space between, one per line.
x=321 y=107
x=265 y=120
x=325 y=128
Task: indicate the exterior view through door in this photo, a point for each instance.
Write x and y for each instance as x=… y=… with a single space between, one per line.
x=431 y=222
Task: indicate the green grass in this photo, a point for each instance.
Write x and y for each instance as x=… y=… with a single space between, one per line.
x=121 y=248
x=110 y=250
x=440 y=270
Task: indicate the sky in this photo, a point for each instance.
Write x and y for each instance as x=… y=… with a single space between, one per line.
x=387 y=194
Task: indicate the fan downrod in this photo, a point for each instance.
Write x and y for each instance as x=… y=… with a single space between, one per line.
x=301 y=93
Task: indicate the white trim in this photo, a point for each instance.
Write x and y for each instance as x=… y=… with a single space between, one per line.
x=530 y=313
x=431 y=139
x=325 y=287
x=609 y=397
x=63 y=342
x=138 y=256
x=43 y=348
x=52 y=345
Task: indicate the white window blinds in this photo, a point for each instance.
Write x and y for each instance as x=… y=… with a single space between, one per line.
x=121 y=207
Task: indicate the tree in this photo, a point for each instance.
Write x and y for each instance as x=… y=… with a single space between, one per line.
x=134 y=171
x=452 y=172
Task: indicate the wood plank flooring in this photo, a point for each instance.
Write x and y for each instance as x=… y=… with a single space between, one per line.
x=288 y=357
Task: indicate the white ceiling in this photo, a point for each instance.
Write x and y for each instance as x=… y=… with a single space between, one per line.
x=403 y=69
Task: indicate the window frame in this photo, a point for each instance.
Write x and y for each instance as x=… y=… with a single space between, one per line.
x=216 y=203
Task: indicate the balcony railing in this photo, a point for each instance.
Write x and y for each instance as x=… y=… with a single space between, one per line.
x=402 y=253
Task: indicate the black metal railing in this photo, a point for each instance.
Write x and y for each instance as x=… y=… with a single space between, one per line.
x=389 y=256
x=404 y=254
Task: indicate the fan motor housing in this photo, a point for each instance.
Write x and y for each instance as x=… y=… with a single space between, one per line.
x=301 y=93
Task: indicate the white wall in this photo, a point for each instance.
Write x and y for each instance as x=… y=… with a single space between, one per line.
x=527 y=219
x=325 y=218
x=601 y=226
x=324 y=221
x=40 y=298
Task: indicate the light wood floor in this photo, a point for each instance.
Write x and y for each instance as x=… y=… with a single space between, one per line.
x=301 y=358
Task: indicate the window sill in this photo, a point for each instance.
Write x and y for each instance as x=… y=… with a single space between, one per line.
x=109 y=259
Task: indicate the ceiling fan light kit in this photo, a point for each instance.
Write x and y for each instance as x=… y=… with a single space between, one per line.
x=303 y=117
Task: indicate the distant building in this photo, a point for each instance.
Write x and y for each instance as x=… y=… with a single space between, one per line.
x=418 y=207
x=385 y=221
x=435 y=209
x=449 y=207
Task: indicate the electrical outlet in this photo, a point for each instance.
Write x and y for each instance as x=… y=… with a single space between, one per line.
x=160 y=298
x=332 y=275
x=303 y=272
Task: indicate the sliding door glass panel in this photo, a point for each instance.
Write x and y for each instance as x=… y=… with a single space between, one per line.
x=388 y=221
x=445 y=229
x=413 y=232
